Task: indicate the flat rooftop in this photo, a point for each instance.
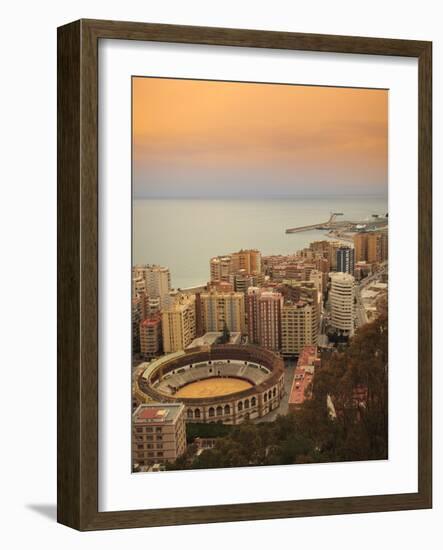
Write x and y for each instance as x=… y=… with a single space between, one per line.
x=302 y=379
x=157 y=413
x=210 y=338
x=308 y=356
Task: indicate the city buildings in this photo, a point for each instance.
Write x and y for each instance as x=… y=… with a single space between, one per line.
x=264 y=308
x=151 y=336
x=326 y=249
x=243 y=262
x=371 y=247
x=377 y=247
x=159 y=433
x=242 y=280
x=223 y=308
x=361 y=247
x=341 y=299
x=220 y=268
x=157 y=280
x=299 y=327
x=374 y=299
x=345 y=260
x=308 y=291
x=179 y=323
x=247 y=260
x=269 y=311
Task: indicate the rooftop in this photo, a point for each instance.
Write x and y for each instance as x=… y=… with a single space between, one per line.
x=151 y=322
x=210 y=338
x=157 y=413
x=302 y=379
x=308 y=356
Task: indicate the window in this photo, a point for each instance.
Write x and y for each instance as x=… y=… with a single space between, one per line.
x=190 y=413
x=158 y=430
x=160 y=455
x=247 y=404
x=211 y=411
x=219 y=411
x=240 y=406
x=253 y=402
x=227 y=409
x=197 y=413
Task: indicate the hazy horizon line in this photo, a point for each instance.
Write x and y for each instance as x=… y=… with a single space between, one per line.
x=259 y=197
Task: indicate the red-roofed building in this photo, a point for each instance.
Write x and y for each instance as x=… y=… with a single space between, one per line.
x=158 y=433
x=303 y=377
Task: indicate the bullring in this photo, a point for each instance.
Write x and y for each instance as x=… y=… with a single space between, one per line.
x=218 y=383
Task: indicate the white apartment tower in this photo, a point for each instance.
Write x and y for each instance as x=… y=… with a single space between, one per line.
x=341 y=299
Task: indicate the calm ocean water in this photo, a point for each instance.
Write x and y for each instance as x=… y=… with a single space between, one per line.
x=183 y=234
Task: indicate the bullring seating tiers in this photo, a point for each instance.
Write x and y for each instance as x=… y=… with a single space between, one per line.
x=171 y=382
x=219 y=383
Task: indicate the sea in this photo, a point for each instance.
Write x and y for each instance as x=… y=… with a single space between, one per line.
x=183 y=234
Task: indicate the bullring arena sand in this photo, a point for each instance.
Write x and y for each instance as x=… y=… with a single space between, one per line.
x=213 y=387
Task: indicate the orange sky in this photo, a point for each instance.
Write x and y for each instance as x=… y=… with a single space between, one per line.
x=198 y=137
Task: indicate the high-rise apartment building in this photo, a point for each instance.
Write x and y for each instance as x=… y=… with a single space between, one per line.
x=377 y=246
x=341 y=298
x=242 y=280
x=247 y=260
x=384 y=245
x=316 y=277
x=179 y=323
x=299 y=327
x=308 y=291
x=345 y=260
x=220 y=308
x=264 y=317
x=252 y=296
x=269 y=312
x=136 y=312
x=327 y=249
x=371 y=247
x=151 y=336
x=220 y=268
x=361 y=247
x=157 y=280
x=158 y=433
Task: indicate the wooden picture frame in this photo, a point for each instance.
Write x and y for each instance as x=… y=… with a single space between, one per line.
x=78 y=273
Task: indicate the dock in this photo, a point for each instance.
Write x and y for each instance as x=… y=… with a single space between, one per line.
x=330 y=224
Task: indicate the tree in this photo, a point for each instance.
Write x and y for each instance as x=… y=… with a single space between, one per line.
x=359 y=432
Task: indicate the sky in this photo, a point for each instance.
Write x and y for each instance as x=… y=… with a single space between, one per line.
x=211 y=139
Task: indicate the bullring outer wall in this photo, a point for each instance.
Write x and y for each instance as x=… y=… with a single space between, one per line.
x=251 y=403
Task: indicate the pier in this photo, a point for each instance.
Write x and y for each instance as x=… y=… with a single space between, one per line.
x=338 y=227
x=326 y=225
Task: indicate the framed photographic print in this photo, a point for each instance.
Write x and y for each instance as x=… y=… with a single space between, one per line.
x=244 y=275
